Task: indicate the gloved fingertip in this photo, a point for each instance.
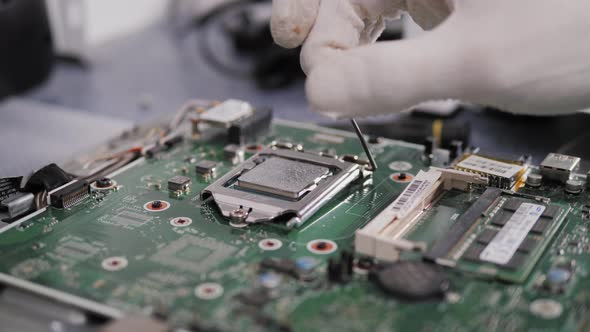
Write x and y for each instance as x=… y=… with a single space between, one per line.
x=286 y=34
x=328 y=90
x=292 y=21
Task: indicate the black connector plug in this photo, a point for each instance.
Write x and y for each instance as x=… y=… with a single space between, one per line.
x=69 y=194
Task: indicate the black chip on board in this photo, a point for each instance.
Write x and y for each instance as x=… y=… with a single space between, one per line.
x=473 y=252
x=412 y=281
x=512 y=204
x=541 y=226
x=487 y=236
x=501 y=218
x=179 y=183
x=205 y=167
x=550 y=211
x=528 y=245
x=516 y=262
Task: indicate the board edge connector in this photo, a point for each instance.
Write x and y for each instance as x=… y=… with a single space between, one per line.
x=69 y=194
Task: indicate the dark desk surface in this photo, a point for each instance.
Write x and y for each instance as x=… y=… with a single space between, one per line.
x=155 y=71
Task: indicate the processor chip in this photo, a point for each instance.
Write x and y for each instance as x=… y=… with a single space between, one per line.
x=280 y=186
x=283 y=177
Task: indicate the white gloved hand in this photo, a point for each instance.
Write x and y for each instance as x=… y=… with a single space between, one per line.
x=525 y=56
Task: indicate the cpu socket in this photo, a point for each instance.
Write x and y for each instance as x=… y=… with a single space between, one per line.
x=282 y=186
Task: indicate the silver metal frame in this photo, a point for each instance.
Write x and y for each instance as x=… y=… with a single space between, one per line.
x=265 y=208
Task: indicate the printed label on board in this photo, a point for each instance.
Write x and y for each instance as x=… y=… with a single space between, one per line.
x=490 y=166
x=507 y=241
x=414 y=191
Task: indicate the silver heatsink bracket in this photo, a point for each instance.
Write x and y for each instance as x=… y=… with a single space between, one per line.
x=254 y=204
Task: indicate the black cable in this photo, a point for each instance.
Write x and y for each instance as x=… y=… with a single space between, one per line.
x=121 y=163
x=206 y=51
x=271 y=66
x=222 y=9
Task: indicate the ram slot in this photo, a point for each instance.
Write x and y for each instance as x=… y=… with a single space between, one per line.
x=382 y=237
x=462 y=226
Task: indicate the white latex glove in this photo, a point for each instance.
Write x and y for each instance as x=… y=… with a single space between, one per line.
x=525 y=56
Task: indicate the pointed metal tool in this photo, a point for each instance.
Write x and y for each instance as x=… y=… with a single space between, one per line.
x=357 y=129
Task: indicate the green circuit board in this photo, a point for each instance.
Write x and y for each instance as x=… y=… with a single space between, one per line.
x=110 y=250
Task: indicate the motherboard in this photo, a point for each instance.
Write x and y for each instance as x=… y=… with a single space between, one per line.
x=235 y=221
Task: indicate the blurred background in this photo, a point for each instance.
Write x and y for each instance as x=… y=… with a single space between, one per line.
x=76 y=72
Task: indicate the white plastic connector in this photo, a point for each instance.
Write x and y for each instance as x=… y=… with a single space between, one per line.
x=454 y=179
x=382 y=237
